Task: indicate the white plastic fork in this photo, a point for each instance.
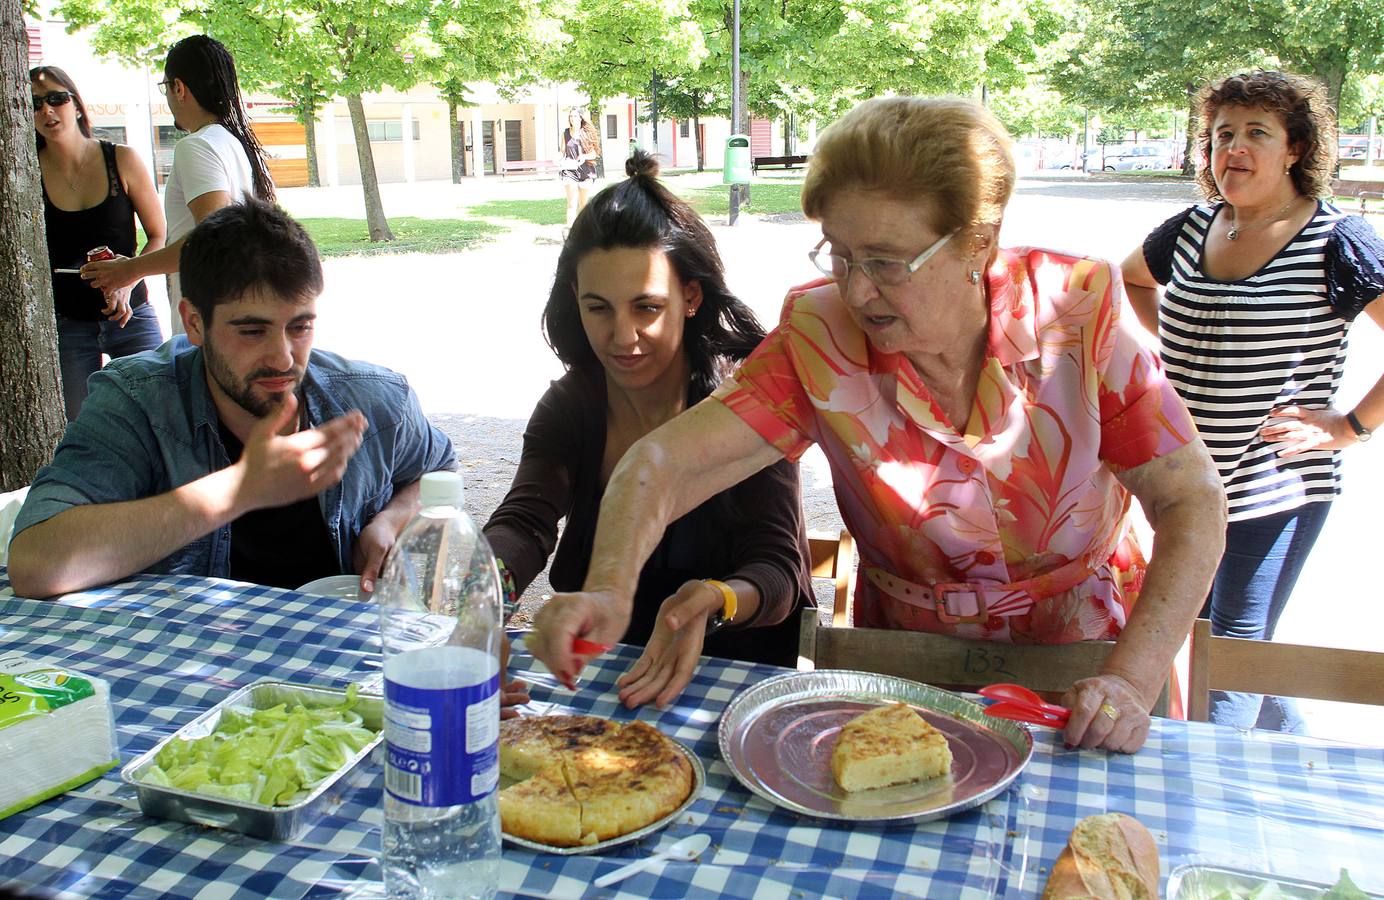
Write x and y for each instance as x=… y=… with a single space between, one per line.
x=686 y=849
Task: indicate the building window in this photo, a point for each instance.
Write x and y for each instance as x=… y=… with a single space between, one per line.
x=684 y=129
x=514 y=140
x=612 y=126
x=165 y=136
x=387 y=131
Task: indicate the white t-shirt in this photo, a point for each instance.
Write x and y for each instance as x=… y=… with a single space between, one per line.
x=210 y=159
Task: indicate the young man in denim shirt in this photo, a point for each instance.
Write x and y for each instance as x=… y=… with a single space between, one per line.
x=238 y=451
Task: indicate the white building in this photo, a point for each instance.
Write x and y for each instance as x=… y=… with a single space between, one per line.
x=408 y=130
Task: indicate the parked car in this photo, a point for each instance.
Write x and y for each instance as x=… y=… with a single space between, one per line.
x=1146 y=156
x=1354 y=146
x=1091 y=163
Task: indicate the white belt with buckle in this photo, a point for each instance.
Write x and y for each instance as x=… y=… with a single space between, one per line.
x=954 y=602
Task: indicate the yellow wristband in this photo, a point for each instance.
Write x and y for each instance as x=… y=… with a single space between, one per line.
x=729 y=601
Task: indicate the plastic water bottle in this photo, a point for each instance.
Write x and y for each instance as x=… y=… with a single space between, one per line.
x=439 y=600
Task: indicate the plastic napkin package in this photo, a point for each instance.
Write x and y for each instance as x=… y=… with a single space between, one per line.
x=57 y=731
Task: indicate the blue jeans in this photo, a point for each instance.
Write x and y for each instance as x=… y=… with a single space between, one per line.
x=81 y=343
x=1263 y=558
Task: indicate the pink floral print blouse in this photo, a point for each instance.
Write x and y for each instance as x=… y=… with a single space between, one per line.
x=1068 y=397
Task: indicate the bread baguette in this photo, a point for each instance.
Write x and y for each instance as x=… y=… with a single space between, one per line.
x=1109 y=857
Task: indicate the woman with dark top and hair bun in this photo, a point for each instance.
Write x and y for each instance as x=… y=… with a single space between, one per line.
x=217 y=163
x=92 y=191
x=1251 y=295
x=641 y=316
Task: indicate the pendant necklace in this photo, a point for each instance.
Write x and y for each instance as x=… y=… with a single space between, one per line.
x=73 y=183
x=1235 y=228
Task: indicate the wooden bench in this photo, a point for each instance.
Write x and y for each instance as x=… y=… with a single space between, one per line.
x=1361 y=188
x=537 y=166
x=788 y=162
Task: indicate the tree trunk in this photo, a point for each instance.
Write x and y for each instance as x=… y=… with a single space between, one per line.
x=308 y=112
x=31 y=411
x=1189 y=149
x=1335 y=79
x=653 y=110
x=743 y=127
x=697 y=132
x=455 y=139
x=594 y=106
x=369 y=183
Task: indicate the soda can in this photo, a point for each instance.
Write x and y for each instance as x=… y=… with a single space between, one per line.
x=99 y=253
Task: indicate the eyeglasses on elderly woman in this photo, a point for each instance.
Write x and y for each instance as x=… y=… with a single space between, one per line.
x=883 y=271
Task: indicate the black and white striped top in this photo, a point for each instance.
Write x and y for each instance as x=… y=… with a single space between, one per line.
x=1235 y=350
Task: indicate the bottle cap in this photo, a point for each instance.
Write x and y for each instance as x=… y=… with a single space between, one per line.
x=441 y=489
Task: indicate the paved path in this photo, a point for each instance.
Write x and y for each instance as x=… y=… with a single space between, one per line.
x=465 y=328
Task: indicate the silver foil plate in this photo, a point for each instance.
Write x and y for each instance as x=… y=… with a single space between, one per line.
x=777 y=738
x=1196 y=881
x=698 y=782
x=275 y=823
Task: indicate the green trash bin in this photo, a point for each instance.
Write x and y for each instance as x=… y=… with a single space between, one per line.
x=736 y=169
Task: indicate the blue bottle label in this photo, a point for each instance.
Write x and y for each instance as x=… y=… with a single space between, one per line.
x=442 y=745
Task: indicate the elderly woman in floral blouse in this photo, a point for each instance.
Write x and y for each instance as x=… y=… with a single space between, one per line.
x=987 y=414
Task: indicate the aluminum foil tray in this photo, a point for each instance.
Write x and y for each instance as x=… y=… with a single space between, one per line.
x=777 y=738
x=698 y=782
x=1205 y=882
x=274 y=823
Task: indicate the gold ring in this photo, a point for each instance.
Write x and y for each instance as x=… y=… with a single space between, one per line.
x=1110 y=711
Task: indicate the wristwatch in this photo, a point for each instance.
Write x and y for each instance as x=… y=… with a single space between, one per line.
x=1361 y=432
x=729 y=603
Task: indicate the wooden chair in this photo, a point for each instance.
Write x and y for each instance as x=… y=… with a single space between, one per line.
x=933 y=658
x=1284 y=670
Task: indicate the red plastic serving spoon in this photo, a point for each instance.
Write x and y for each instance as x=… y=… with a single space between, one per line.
x=1018 y=703
x=587 y=648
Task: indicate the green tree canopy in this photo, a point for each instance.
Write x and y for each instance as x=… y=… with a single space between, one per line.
x=614 y=47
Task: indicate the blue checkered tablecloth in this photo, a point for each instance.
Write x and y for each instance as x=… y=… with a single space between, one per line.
x=172 y=647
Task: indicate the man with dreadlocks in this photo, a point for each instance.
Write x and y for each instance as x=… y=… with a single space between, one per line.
x=216 y=164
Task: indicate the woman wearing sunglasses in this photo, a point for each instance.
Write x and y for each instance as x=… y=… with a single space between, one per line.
x=92 y=192
x=217 y=163
x=987 y=414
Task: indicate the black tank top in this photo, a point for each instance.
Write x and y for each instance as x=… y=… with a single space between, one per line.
x=71 y=234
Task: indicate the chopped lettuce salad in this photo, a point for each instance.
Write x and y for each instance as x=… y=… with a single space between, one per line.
x=273 y=757
x=1344 y=889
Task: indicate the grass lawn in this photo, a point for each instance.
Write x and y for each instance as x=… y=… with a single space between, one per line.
x=346 y=237
x=766 y=198
x=539 y=212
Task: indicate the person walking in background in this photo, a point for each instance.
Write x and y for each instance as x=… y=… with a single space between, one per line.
x=216 y=164
x=1259 y=287
x=92 y=191
x=581 y=145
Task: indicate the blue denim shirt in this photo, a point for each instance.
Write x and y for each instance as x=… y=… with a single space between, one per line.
x=149 y=426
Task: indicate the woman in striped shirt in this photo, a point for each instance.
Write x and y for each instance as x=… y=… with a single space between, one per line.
x=1260 y=286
